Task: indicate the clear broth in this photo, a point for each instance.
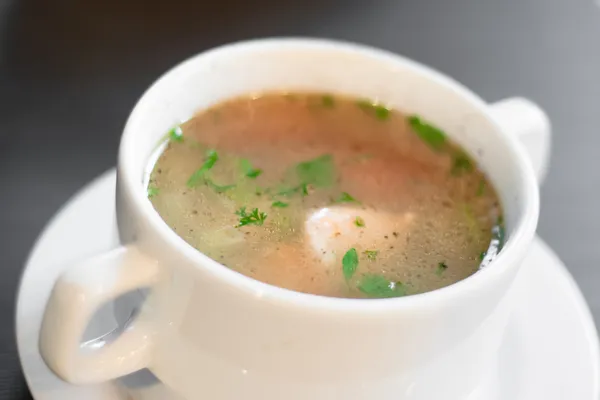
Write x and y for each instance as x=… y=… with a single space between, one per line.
x=327 y=195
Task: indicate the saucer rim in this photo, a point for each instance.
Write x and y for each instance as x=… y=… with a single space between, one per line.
x=584 y=313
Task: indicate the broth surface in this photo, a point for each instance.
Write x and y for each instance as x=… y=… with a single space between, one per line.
x=327 y=195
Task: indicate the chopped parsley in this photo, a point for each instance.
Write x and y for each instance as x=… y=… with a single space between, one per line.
x=254 y=173
x=358 y=221
x=253 y=218
x=327 y=101
x=380 y=112
x=462 y=163
x=218 y=188
x=176 y=134
x=350 y=263
x=481 y=188
x=377 y=286
x=346 y=198
x=371 y=254
x=441 y=268
x=197 y=177
x=289 y=191
x=431 y=135
x=482 y=255
x=304 y=189
x=319 y=172
x=279 y=204
x=248 y=170
x=152 y=191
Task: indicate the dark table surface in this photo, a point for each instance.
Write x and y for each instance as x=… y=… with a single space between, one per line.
x=70 y=71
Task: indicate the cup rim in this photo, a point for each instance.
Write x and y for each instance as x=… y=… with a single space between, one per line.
x=507 y=259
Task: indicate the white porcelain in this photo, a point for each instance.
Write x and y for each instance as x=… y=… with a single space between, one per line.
x=209 y=332
x=549 y=351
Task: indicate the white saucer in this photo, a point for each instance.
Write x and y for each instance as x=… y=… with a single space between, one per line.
x=550 y=351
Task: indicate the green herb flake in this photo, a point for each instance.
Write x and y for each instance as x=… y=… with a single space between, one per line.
x=481 y=188
x=253 y=218
x=441 y=268
x=381 y=112
x=346 y=198
x=249 y=170
x=482 y=255
x=431 y=135
x=327 y=101
x=350 y=263
x=176 y=134
x=279 y=204
x=304 y=189
x=319 y=172
x=377 y=286
x=288 y=191
x=371 y=254
x=152 y=191
x=461 y=163
x=218 y=188
x=358 y=221
x=254 y=173
x=197 y=177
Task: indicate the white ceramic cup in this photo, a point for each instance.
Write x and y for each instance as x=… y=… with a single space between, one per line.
x=211 y=333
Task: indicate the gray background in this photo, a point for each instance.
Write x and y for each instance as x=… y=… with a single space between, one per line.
x=71 y=70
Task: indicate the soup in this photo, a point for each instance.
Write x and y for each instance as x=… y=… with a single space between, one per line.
x=327 y=195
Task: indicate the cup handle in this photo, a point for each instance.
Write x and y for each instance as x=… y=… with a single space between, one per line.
x=529 y=123
x=76 y=296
